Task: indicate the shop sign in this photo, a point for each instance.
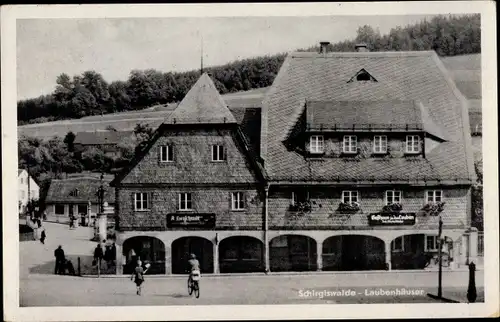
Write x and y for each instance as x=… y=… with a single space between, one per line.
x=191 y=220
x=385 y=219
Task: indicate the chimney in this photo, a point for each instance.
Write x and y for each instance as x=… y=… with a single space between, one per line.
x=323 y=47
x=362 y=47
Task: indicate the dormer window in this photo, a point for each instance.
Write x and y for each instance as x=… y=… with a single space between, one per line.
x=218 y=153
x=316 y=144
x=350 y=144
x=74 y=193
x=412 y=144
x=380 y=144
x=362 y=76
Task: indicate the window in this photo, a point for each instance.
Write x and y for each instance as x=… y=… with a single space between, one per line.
x=412 y=144
x=299 y=196
x=392 y=196
x=398 y=244
x=380 y=144
x=141 y=201
x=350 y=144
x=431 y=243
x=82 y=209
x=317 y=143
x=59 y=209
x=22 y=194
x=434 y=196
x=218 y=153
x=73 y=193
x=185 y=202
x=166 y=153
x=363 y=76
x=349 y=196
x=238 y=201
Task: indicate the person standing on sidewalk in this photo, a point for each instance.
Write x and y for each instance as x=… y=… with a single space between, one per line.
x=98 y=255
x=59 y=255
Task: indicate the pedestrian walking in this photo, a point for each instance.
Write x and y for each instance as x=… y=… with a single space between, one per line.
x=43 y=236
x=138 y=276
x=60 y=258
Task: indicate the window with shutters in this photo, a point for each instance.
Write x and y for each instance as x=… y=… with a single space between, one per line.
x=218 y=153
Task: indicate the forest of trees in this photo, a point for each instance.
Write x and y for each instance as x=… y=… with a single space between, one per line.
x=90 y=94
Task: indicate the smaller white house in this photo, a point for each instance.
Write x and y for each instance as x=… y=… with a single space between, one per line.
x=73 y=197
x=23 y=195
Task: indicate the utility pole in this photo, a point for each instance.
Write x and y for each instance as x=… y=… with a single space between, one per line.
x=440 y=256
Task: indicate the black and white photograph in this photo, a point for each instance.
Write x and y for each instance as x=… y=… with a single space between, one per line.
x=249 y=161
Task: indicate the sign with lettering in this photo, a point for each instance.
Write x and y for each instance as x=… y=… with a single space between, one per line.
x=191 y=220
x=385 y=219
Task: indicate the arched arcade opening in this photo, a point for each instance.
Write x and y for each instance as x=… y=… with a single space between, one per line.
x=241 y=254
x=292 y=253
x=148 y=249
x=353 y=252
x=184 y=246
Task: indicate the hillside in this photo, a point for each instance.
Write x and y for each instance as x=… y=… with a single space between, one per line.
x=466 y=71
x=90 y=94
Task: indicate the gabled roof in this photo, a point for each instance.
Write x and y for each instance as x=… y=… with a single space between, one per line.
x=401 y=76
x=19 y=171
x=61 y=191
x=201 y=105
x=101 y=137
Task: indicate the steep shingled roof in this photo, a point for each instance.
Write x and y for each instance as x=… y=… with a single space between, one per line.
x=201 y=105
x=61 y=191
x=403 y=76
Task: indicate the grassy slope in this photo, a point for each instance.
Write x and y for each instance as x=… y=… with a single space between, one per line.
x=466 y=70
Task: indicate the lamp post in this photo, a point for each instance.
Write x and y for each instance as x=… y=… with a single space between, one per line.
x=100 y=195
x=440 y=257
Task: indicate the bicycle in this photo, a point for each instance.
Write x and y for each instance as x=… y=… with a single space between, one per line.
x=194 y=283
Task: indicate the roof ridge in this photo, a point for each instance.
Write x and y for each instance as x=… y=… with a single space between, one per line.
x=384 y=54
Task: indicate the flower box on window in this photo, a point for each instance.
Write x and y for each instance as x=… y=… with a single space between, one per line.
x=393 y=207
x=301 y=206
x=349 y=207
x=433 y=208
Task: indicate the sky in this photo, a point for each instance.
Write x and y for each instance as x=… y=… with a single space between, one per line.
x=113 y=47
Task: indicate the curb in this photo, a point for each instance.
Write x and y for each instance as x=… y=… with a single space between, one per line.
x=443 y=299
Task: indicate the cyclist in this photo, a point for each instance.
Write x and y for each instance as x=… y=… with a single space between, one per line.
x=194 y=265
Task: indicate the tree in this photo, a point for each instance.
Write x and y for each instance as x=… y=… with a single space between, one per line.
x=477 y=198
x=69 y=139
